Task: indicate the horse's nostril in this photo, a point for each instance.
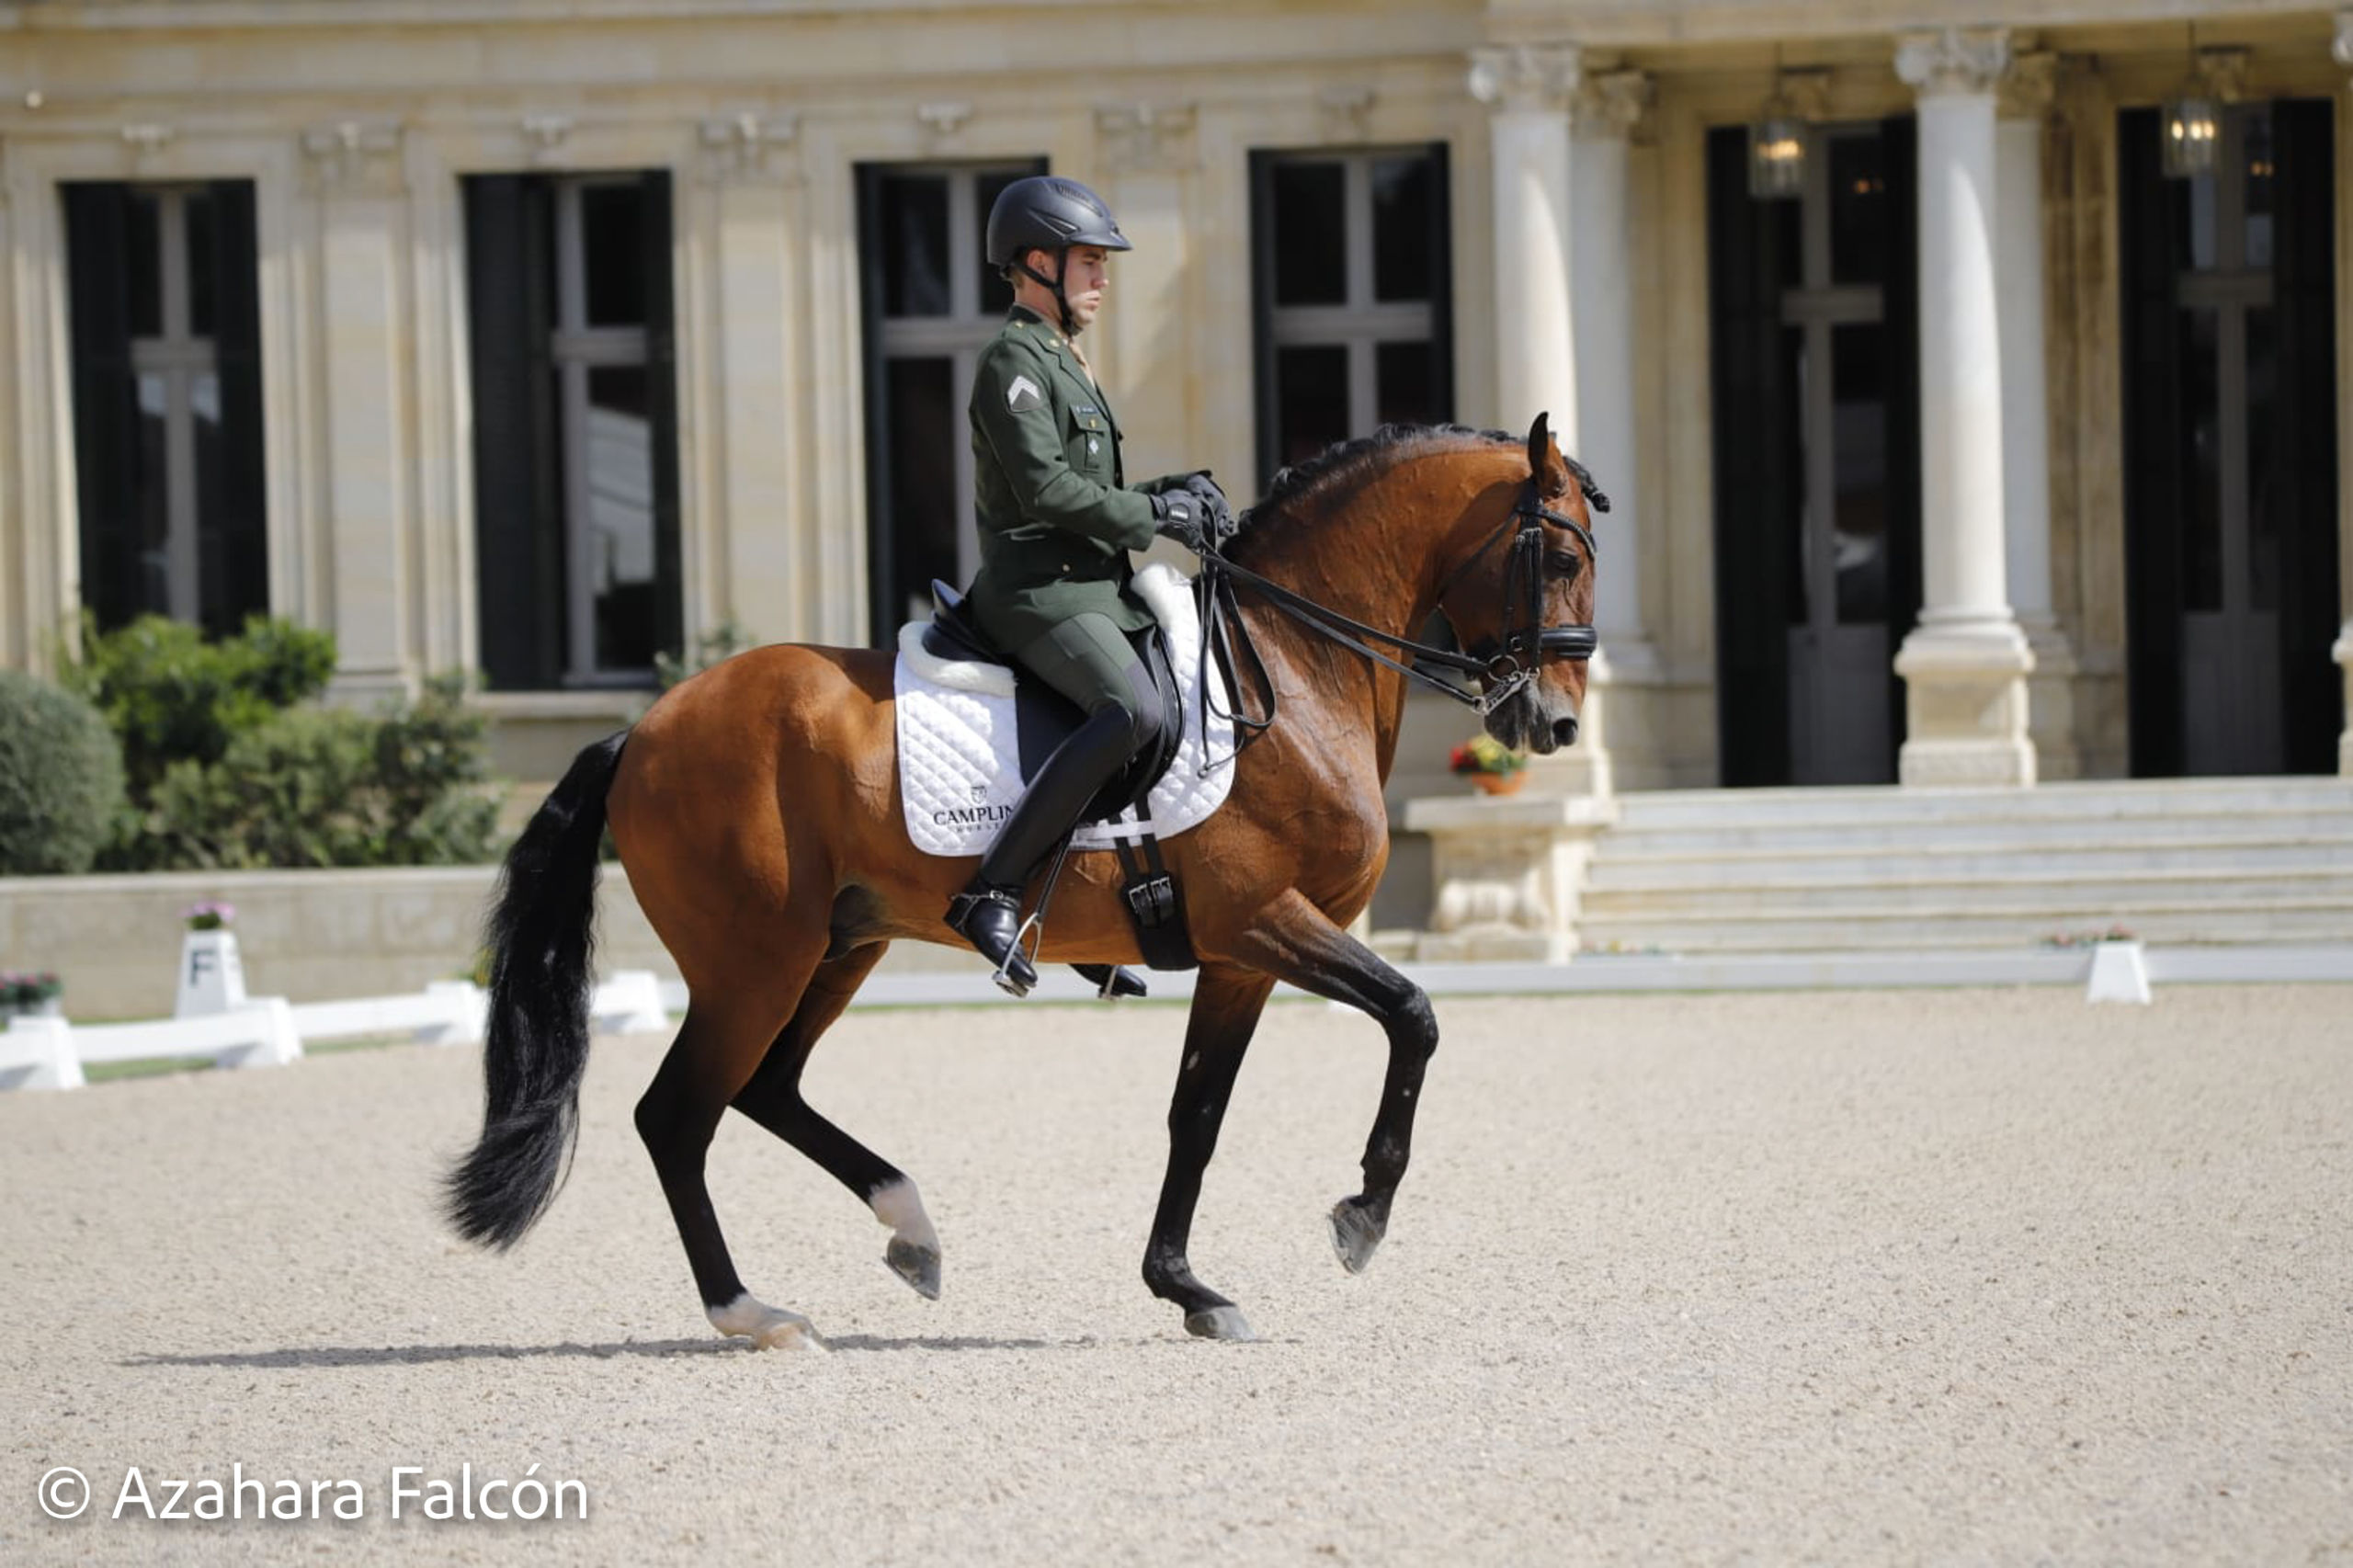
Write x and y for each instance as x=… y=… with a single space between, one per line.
x=1564 y=731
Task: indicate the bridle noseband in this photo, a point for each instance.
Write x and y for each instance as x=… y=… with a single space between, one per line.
x=1513 y=657
x=1510 y=661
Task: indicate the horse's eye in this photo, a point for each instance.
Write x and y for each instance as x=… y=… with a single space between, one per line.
x=1563 y=564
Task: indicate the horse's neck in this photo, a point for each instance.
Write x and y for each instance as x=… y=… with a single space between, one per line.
x=1372 y=555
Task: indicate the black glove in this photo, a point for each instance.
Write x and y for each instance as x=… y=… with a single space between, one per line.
x=1177 y=513
x=1217 y=513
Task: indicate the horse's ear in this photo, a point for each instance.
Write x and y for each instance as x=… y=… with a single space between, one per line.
x=1545 y=464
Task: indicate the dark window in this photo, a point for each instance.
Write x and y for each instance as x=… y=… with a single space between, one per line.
x=1351 y=295
x=1857 y=193
x=1312 y=260
x=914 y=245
x=932 y=303
x=575 y=427
x=1313 y=383
x=167 y=402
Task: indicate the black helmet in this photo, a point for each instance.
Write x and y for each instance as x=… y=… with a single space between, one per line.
x=1047 y=212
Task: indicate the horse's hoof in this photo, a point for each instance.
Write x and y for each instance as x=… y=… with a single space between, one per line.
x=1219 y=1323
x=918 y=1265
x=1356 y=1234
x=768 y=1328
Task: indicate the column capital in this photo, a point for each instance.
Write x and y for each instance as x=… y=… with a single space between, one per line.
x=355 y=158
x=1613 y=103
x=1938 y=62
x=1526 y=78
x=1146 y=138
x=2029 y=86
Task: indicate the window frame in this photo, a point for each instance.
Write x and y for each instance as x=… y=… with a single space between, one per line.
x=1362 y=323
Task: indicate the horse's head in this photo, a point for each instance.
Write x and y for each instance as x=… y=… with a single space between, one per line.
x=1530 y=574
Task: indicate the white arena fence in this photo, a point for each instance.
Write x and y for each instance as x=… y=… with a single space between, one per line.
x=269 y=1031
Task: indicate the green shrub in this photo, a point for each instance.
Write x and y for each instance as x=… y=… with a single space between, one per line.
x=60 y=777
x=172 y=697
x=326 y=787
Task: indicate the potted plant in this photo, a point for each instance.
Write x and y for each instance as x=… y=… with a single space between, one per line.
x=210 y=914
x=1489 y=764
x=29 y=995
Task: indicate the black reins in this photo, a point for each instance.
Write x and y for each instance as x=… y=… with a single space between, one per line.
x=1510 y=661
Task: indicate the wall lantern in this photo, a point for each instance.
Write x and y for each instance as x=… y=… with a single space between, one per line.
x=2193 y=135
x=1777 y=149
x=2191 y=126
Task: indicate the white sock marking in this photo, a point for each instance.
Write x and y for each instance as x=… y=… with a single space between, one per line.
x=900 y=1206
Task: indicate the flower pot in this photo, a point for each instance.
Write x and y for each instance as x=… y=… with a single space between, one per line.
x=1500 y=783
x=212 y=979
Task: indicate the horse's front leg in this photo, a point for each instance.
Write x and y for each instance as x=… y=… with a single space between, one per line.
x=1297 y=942
x=1226 y=1006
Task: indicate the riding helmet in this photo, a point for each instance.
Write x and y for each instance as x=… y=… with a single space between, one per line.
x=1048 y=212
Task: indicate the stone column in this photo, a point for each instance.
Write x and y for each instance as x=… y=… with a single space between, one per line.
x=2343 y=650
x=1146 y=163
x=1602 y=302
x=1965 y=665
x=2025 y=447
x=361 y=333
x=749 y=165
x=1529 y=88
x=1532 y=89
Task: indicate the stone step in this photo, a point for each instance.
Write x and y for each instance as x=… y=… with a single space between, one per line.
x=1616 y=870
x=1894 y=897
x=1635 y=836
x=2101 y=800
x=2269 y=921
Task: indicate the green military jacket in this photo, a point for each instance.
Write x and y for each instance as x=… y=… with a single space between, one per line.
x=1056 y=517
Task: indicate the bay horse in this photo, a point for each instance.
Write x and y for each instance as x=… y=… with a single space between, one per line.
x=756 y=809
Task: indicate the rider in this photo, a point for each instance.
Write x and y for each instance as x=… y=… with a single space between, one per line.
x=1056 y=525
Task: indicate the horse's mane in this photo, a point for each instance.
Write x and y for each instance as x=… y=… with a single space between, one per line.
x=1346 y=461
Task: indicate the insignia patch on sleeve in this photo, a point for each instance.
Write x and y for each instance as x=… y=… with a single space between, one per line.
x=1023 y=395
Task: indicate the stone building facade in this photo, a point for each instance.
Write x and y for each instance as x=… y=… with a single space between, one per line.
x=533 y=337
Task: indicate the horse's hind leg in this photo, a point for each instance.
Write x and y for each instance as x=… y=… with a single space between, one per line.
x=719 y=1047
x=773 y=1099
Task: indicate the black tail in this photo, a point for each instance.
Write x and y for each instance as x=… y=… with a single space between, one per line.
x=541 y=938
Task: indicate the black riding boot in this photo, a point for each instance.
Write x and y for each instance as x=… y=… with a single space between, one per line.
x=987 y=914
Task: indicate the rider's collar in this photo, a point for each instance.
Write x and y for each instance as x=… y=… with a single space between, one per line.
x=1024 y=316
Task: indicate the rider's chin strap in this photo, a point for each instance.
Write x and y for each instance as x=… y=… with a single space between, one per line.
x=1061 y=301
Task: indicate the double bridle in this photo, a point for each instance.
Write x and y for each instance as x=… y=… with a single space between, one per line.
x=1509 y=660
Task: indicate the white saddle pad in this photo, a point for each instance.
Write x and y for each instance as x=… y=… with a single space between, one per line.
x=960 y=760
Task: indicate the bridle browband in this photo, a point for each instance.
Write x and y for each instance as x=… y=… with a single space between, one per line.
x=1509 y=660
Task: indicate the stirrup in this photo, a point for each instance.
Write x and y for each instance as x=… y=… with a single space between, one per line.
x=1031 y=931
x=1111 y=980
x=960 y=910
